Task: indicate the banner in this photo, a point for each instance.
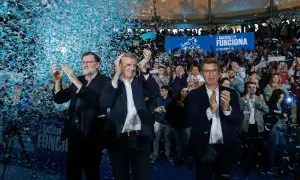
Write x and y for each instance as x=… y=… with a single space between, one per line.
x=43 y=148
x=225 y=42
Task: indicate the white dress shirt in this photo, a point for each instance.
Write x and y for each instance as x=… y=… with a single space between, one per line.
x=216 y=135
x=132 y=121
x=251 y=105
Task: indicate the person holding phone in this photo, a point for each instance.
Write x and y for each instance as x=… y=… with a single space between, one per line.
x=82 y=128
x=133 y=127
x=214 y=113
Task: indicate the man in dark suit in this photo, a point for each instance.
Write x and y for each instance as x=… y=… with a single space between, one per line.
x=125 y=95
x=85 y=116
x=214 y=113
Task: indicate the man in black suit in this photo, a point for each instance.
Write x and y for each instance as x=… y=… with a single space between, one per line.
x=132 y=123
x=85 y=116
x=214 y=113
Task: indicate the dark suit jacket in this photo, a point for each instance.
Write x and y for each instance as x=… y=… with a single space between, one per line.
x=198 y=102
x=116 y=99
x=84 y=107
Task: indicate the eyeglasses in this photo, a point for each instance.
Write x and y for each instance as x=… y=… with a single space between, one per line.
x=251 y=87
x=87 y=62
x=213 y=71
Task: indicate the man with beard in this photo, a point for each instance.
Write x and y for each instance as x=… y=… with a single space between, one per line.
x=252 y=127
x=83 y=125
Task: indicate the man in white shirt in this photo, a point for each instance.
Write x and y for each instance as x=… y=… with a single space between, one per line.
x=214 y=113
x=125 y=96
x=252 y=127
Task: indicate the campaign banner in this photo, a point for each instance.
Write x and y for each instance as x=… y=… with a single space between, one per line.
x=43 y=149
x=51 y=150
x=224 y=42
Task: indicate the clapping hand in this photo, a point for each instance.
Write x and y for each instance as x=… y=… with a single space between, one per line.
x=147 y=56
x=57 y=75
x=118 y=65
x=213 y=102
x=158 y=109
x=225 y=100
x=70 y=73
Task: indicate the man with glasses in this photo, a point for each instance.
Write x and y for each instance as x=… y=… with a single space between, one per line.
x=214 y=113
x=85 y=116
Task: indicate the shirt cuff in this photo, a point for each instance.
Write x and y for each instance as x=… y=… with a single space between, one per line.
x=115 y=85
x=227 y=113
x=209 y=114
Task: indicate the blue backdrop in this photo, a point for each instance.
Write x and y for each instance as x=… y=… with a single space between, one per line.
x=208 y=43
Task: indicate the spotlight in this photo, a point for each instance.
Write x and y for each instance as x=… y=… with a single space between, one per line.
x=289 y=99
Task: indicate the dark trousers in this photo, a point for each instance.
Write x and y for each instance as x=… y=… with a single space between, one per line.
x=83 y=154
x=130 y=152
x=252 y=149
x=219 y=169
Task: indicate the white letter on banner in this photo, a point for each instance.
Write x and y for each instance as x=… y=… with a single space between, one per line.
x=58 y=144
x=218 y=43
x=245 y=41
x=52 y=142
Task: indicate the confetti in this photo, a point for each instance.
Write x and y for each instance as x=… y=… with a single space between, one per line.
x=35 y=34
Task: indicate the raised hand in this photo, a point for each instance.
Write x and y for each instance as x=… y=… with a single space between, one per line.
x=57 y=75
x=118 y=68
x=147 y=55
x=225 y=100
x=213 y=102
x=158 y=109
x=72 y=76
x=118 y=65
x=70 y=73
x=260 y=97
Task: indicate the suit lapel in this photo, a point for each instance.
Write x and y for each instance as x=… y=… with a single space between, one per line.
x=204 y=98
x=220 y=90
x=133 y=90
x=123 y=93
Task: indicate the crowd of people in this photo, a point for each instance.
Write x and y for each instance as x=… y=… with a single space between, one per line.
x=267 y=101
x=210 y=112
x=209 y=108
x=268 y=94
